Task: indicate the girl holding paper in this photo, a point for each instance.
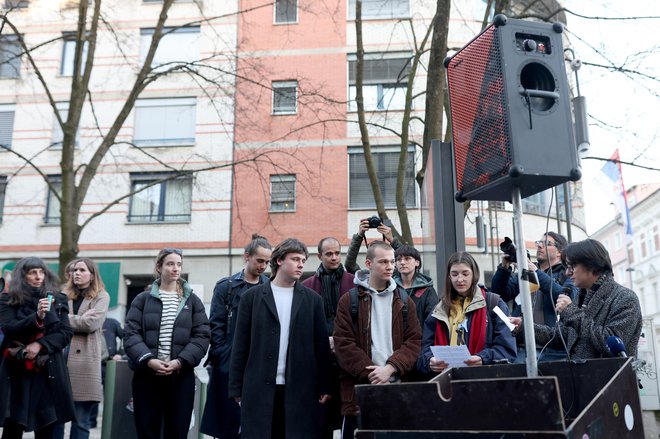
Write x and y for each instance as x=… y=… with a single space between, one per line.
x=465 y=316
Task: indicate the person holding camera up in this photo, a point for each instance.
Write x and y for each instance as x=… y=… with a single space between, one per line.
x=552 y=281
x=373 y=222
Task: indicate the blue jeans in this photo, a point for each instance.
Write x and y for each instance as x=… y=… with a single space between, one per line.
x=81 y=425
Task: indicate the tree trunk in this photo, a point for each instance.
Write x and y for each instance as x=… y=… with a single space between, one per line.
x=435 y=84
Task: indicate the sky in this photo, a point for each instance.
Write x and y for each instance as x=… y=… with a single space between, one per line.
x=623 y=108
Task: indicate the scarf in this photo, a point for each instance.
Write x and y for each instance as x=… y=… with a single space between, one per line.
x=588 y=293
x=330 y=281
x=476 y=334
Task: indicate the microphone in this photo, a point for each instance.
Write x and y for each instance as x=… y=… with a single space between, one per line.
x=567 y=291
x=616 y=347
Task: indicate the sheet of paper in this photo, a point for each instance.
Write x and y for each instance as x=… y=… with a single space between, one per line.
x=504 y=318
x=455 y=356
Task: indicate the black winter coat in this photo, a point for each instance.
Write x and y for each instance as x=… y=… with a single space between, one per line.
x=222 y=417
x=254 y=362
x=190 y=337
x=35 y=399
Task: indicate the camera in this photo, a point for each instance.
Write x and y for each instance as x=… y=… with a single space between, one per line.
x=509 y=248
x=374 y=222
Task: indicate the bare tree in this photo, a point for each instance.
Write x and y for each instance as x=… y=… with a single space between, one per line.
x=77 y=176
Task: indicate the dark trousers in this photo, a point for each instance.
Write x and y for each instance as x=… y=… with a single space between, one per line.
x=12 y=430
x=348 y=427
x=278 y=429
x=163 y=404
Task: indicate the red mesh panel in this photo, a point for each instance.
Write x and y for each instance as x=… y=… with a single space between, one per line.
x=478 y=112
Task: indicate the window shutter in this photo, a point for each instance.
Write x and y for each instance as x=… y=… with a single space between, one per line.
x=6 y=128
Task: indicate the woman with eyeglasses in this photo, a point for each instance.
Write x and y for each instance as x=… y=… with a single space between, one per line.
x=603 y=307
x=35 y=393
x=166 y=335
x=464 y=316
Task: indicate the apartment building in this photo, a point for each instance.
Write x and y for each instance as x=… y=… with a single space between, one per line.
x=261 y=103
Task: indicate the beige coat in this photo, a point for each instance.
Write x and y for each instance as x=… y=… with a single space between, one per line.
x=84 y=361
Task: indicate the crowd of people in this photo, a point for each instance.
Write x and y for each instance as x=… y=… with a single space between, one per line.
x=285 y=354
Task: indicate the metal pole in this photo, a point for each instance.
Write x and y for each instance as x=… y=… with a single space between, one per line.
x=567 y=209
x=525 y=295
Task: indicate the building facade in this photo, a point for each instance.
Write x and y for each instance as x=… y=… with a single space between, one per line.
x=256 y=116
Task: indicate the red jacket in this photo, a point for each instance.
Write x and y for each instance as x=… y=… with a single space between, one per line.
x=353 y=348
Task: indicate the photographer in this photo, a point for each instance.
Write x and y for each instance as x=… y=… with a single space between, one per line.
x=552 y=280
x=365 y=224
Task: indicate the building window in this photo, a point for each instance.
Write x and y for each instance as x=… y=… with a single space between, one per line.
x=165 y=122
x=6 y=126
x=537 y=204
x=385 y=81
x=160 y=201
x=286 y=11
x=3 y=189
x=285 y=97
x=69 y=54
x=16 y=4
x=58 y=134
x=177 y=46
x=10 y=56
x=386 y=161
x=617 y=241
x=642 y=245
x=283 y=193
x=380 y=9
x=631 y=254
x=52 y=202
x=656 y=239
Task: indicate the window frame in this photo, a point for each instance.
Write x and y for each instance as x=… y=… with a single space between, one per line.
x=284 y=111
x=163 y=103
x=158 y=65
x=10 y=39
x=379 y=87
x=149 y=177
x=389 y=201
x=17 y=4
x=57 y=130
x=3 y=193
x=368 y=15
x=51 y=199
x=274 y=202
x=67 y=39
x=275 y=14
x=8 y=109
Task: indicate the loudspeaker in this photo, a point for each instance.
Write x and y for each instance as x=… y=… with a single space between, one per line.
x=510 y=112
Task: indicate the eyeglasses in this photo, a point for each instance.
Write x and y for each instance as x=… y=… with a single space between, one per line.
x=169 y=250
x=544 y=243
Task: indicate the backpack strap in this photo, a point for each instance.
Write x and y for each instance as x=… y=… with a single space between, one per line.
x=353 y=292
x=404 y=298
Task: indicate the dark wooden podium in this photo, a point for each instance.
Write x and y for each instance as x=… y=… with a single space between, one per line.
x=577 y=399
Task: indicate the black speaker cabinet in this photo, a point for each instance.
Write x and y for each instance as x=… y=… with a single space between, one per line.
x=510 y=112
